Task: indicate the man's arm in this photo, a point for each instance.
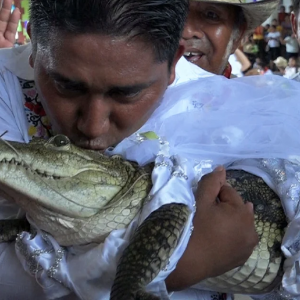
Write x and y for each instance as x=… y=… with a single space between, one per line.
x=212 y=249
x=8 y=24
x=243 y=59
x=284 y=41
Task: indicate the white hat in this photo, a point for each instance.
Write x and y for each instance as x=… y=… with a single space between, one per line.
x=255 y=12
x=280 y=62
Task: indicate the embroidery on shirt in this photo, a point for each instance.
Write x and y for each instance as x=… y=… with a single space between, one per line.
x=39 y=125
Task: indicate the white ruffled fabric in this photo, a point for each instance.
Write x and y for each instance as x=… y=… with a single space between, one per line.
x=202 y=123
x=253 y=118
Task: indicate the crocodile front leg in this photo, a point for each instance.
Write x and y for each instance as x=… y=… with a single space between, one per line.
x=9 y=229
x=149 y=252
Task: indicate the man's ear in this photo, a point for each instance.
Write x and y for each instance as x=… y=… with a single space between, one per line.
x=294 y=22
x=31 y=60
x=177 y=56
x=28 y=29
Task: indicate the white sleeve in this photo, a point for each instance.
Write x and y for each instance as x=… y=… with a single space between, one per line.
x=15 y=283
x=12 y=113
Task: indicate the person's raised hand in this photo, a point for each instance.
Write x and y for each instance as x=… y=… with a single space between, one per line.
x=224 y=234
x=8 y=24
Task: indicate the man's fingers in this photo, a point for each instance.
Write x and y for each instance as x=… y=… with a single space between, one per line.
x=5 y=14
x=209 y=186
x=6 y=4
x=250 y=206
x=5 y=10
x=230 y=195
x=12 y=26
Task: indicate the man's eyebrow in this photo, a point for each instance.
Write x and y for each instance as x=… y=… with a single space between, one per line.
x=59 y=77
x=132 y=88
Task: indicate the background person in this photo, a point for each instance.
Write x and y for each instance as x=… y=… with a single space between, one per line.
x=214 y=30
x=281 y=64
x=291 y=44
x=295 y=20
x=292 y=68
x=273 y=39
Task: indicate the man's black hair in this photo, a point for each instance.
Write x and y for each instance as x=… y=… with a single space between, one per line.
x=158 y=23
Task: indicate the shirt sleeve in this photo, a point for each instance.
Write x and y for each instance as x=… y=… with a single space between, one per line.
x=12 y=114
x=15 y=283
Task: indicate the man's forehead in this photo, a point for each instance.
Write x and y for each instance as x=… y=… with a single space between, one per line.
x=126 y=84
x=56 y=44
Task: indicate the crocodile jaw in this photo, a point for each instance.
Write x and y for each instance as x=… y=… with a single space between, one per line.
x=64 y=179
x=71 y=196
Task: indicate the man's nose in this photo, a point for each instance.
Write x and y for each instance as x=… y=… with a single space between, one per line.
x=193 y=28
x=94 y=119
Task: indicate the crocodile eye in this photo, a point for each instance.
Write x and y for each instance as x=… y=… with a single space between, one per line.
x=60 y=140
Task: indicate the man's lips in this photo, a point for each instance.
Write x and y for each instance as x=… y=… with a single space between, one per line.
x=192 y=56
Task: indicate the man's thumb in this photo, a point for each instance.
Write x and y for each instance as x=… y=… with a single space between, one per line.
x=210 y=185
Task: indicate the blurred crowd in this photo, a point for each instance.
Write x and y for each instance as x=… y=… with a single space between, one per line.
x=270 y=49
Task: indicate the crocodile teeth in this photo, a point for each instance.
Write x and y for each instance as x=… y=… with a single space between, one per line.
x=29 y=169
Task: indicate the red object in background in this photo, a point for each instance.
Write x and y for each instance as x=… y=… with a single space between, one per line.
x=259 y=30
x=228 y=70
x=281 y=17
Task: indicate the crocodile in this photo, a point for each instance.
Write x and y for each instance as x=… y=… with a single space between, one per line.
x=79 y=196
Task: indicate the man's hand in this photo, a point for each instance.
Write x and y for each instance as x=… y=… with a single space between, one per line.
x=8 y=24
x=224 y=235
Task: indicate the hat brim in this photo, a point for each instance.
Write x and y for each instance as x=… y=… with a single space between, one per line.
x=255 y=12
